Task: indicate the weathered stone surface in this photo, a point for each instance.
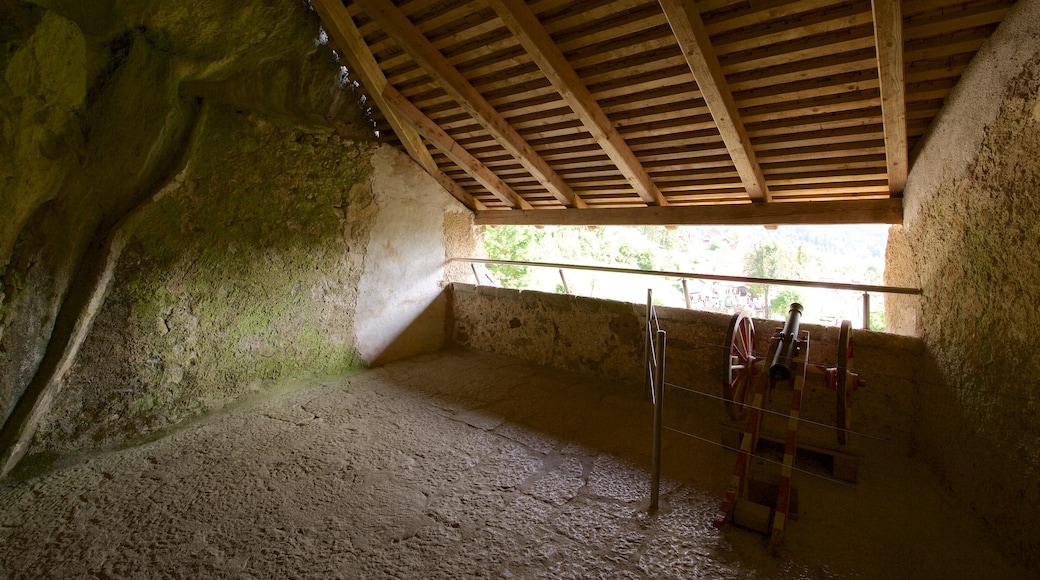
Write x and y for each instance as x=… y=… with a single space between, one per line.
x=223 y=140
x=95 y=123
x=379 y=475
x=606 y=338
x=244 y=264
x=972 y=224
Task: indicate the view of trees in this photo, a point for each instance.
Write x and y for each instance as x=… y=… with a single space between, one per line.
x=815 y=253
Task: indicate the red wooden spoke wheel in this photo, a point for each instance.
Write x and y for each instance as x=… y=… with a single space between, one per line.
x=738 y=364
x=843 y=386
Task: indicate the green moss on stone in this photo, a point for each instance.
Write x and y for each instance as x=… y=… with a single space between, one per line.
x=238 y=280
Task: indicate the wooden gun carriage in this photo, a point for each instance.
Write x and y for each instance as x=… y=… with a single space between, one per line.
x=766 y=503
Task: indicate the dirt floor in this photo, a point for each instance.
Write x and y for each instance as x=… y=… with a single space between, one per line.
x=462 y=464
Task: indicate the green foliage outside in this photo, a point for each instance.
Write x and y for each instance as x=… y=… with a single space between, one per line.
x=877 y=320
x=841 y=254
x=643 y=248
x=782 y=302
x=772 y=260
x=516 y=244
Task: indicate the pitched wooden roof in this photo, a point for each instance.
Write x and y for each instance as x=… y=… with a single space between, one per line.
x=663 y=111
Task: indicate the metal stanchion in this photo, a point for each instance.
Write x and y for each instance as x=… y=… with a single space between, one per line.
x=658 y=386
x=866 y=311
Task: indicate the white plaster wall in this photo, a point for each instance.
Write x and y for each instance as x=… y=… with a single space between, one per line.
x=401 y=306
x=952 y=144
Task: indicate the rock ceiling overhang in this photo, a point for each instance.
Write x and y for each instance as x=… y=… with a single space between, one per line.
x=661 y=112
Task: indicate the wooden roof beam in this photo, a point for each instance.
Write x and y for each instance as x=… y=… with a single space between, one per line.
x=872 y=211
x=689 y=30
x=539 y=45
x=888 y=35
x=345 y=35
x=470 y=164
x=397 y=25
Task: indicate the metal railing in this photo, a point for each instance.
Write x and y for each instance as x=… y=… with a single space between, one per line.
x=866 y=289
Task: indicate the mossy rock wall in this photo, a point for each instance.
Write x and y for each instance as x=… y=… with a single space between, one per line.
x=220 y=144
x=973 y=230
x=98 y=105
x=238 y=276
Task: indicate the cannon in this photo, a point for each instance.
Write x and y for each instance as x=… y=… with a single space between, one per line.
x=746 y=387
x=741 y=366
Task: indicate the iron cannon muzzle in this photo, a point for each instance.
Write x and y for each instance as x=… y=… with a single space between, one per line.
x=780 y=369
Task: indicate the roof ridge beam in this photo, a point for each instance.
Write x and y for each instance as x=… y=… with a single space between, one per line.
x=340 y=26
x=888 y=35
x=413 y=42
x=525 y=25
x=689 y=31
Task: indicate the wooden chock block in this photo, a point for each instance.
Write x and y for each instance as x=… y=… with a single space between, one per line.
x=754 y=516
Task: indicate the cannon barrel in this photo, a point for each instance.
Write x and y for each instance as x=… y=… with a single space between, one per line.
x=780 y=369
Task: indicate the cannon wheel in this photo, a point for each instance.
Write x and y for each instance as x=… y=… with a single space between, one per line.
x=738 y=363
x=843 y=386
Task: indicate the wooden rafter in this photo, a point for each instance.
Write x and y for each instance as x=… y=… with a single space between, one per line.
x=875 y=211
x=470 y=164
x=539 y=45
x=344 y=34
x=888 y=34
x=411 y=40
x=549 y=105
x=689 y=31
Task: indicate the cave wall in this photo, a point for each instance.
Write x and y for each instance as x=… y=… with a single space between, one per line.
x=971 y=239
x=214 y=152
x=244 y=272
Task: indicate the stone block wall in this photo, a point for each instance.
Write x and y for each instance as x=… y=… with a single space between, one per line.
x=605 y=337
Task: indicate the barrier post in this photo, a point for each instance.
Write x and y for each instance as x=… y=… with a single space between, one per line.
x=658 y=385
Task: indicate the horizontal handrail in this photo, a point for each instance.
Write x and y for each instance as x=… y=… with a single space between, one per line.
x=696 y=276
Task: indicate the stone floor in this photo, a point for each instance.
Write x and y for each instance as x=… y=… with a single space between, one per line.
x=460 y=464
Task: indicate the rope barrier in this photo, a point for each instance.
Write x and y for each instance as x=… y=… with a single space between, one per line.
x=844 y=484
x=875 y=374
x=785 y=415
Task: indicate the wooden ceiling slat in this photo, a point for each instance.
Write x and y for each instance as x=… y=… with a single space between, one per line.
x=638 y=84
x=863 y=101
x=805 y=49
x=579 y=13
x=805 y=79
x=419 y=48
x=588 y=31
x=457 y=154
x=807 y=70
x=823 y=177
x=682 y=93
x=837 y=138
x=700 y=55
x=854 y=82
x=652 y=40
x=759 y=42
x=536 y=41
x=341 y=27
x=932 y=48
x=636 y=66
